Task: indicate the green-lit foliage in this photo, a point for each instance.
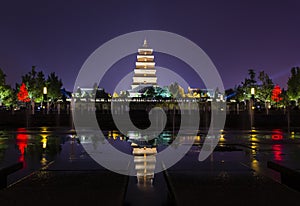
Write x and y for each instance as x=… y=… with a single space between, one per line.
x=6 y=93
x=293 y=83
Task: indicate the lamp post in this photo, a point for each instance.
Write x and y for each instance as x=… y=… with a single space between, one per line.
x=252 y=92
x=251 y=107
x=45 y=97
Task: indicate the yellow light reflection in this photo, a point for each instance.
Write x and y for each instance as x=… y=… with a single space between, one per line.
x=253 y=137
x=292 y=135
x=254 y=164
x=43 y=161
x=44 y=140
x=222 y=139
x=44 y=129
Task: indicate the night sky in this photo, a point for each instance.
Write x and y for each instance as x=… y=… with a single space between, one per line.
x=237 y=35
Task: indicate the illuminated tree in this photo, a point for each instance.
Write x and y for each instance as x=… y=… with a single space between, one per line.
x=243 y=91
x=54 y=85
x=264 y=91
x=293 y=83
x=276 y=94
x=6 y=93
x=23 y=95
x=35 y=81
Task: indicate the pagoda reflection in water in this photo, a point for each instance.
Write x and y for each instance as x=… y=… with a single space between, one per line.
x=144 y=160
x=144 y=152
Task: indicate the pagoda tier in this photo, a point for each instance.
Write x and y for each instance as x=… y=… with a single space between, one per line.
x=144 y=72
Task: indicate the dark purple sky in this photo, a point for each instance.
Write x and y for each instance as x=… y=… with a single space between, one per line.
x=237 y=35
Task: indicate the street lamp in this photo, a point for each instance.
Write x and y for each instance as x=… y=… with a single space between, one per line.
x=45 y=90
x=45 y=96
x=251 y=108
x=252 y=91
x=252 y=97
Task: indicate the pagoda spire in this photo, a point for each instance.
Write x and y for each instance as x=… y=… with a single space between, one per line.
x=145 y=45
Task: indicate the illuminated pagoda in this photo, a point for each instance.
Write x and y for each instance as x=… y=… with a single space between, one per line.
x=144 y=72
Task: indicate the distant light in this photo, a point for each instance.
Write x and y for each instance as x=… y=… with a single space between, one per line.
x=45 y=90
x=252 y=91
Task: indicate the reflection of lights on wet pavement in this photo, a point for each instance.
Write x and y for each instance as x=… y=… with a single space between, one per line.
x=222 y=139
x=44 y=161
x=277 y=150
x=145 y=160
x=44 y=141
x=44 y=129
x=277 y=134
x=22 y=142
x=255 y=164
x=292 y=135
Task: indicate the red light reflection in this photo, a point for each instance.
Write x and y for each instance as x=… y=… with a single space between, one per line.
x=22 y=142
x=277 y=134
x=277 y=149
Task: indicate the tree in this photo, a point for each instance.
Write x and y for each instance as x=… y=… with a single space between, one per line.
x=35 y=82
x=252 y=75
x=276 y=94
x=293 y=83
x=40 y=84
x=23 y=95
x=2 y=78
x=54 y=85
x=243 y=91
x=264 y=91
x=6 y=93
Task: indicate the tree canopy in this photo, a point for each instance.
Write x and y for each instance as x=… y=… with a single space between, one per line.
x=54 y=85
x=35 y=82
x=263 y=86
x=23 y=95
x=293 y=83
x=6 y=93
